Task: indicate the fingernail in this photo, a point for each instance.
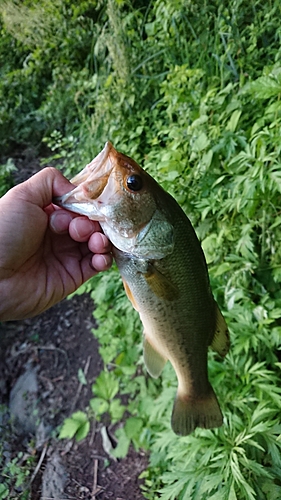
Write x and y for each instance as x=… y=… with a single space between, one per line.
x=104 y=240
x=106 y=259
x=101 y=262
x=59 y=222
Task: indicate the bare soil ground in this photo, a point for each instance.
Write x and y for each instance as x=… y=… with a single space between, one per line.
x=52 y=348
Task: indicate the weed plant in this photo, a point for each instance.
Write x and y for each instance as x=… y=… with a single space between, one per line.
x=192 y=91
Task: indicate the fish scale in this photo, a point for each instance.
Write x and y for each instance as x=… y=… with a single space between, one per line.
x=165 y=277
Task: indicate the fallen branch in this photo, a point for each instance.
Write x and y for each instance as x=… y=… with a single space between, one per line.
x=37 y=468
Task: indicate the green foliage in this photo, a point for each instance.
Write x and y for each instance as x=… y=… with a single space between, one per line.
x=81 y=377
x=40 y=86
x=192 y=91
x=5 y=176
x=77 y=425
x=105 y=389
x=129 y=433
x=15 y=469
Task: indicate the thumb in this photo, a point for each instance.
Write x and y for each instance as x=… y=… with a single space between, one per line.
x=43 y=186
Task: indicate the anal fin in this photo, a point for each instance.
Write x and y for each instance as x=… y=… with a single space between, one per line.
x=154 y=362
x=220 y=342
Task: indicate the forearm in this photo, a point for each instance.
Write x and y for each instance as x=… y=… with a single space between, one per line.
x=21 y=292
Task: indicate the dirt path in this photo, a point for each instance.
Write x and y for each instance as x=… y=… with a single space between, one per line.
x=53 y=347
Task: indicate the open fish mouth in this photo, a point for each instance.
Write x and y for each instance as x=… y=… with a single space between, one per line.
x=101 y=165
x=111 y=190
x=90 y=183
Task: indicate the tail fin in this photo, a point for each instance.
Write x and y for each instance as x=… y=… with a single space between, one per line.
x=189 y=413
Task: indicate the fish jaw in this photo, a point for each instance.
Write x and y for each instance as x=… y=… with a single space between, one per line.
x=90 y=184
x=101 y=195
x=101 y=165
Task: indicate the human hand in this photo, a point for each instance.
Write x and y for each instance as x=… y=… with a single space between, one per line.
x=46 y=253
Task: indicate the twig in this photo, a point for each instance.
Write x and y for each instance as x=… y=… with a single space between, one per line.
x=93 y=433
x=43 y=453
x=97 y=492
x=55 y=349
x=95 y=482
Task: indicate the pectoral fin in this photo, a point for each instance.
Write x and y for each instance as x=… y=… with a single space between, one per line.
x=154 y=362
x=221 y=341
x=160 y=285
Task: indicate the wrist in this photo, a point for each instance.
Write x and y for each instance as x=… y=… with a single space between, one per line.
x=14 y=300
x=8 y=305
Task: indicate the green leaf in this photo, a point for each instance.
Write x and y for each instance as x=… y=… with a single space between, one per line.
x=123 y=445
x=201 y=142
x=271 y=490
x=81 y=377
x=69 y=429
x=207 y=158
x=82 y=431
x=133 y=427
x=172 y=175
x=232 y=494
x=106 y=386
x=116 y=410
x=266 y=86
x=150 y=29
x=223 y=268
x=73 y=424
x=4 y=491
x=99 y=405
x=234 y=119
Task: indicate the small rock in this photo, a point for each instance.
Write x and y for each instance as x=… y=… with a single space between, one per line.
x=42 y=434
x=54 y=478
x=23 y=397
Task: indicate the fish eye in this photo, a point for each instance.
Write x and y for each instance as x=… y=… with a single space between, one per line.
x=134 y=182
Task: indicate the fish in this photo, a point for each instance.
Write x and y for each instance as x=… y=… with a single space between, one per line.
x=165 y=276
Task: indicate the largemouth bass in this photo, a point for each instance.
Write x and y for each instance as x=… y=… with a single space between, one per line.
x=164 y=274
